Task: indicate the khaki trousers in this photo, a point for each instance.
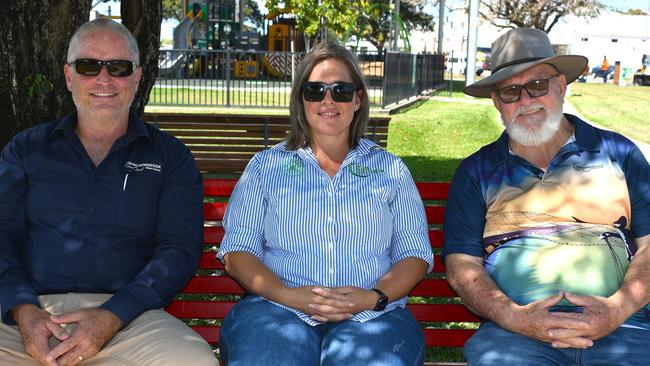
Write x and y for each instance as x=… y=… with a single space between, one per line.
x=155 y=338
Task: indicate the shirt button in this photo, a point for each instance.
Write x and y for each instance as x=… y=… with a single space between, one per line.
x=331 y=270
x=91 y=210
x=330 y=245
x=330 y=219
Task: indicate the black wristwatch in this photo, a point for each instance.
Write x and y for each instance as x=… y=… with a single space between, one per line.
x=382 y=302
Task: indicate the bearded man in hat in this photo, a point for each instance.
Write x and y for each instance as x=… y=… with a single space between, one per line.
x=547 y=231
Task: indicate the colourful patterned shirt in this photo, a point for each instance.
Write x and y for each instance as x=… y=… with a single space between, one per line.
x=570 y=228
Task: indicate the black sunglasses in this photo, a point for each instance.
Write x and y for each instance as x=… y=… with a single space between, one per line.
x=92 y=67
x=314 y=91
x=534 y=88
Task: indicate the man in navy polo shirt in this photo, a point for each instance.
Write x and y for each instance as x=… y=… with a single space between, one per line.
x=100 y=224
x=547 y=230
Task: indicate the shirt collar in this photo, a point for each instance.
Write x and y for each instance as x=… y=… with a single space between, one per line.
x=135 y=129
x=364 y=147
x=585 y=139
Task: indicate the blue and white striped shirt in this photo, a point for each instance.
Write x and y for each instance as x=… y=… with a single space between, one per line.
x=314 y=230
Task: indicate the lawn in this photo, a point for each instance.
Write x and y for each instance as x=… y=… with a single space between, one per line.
x=622 y=109
x=433 y=137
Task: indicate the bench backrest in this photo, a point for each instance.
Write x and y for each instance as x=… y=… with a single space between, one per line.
x=211 y=294
x=225 y=143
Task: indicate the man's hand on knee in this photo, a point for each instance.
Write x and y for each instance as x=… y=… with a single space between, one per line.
x=95 y=327
x=560 y=329
x=36 y=328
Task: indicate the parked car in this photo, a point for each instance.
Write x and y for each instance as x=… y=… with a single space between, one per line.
x=598 y=73
x=641 y=79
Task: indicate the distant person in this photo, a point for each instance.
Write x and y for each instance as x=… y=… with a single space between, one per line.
x=328 y=234
x=604 y=68
x=547 y=229
x=100 y=224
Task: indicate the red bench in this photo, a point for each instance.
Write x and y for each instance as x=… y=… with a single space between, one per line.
x=211 y=293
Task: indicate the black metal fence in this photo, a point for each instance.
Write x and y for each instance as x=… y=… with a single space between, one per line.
x=263 y=79
x=409 y=75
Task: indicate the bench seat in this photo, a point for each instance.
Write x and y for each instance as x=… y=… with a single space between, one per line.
x=211 y=293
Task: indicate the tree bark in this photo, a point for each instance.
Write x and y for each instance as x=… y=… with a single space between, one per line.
x=34 y=38
x=143 y=19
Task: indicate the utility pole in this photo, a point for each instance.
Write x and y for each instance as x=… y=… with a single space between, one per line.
x=242 y=14
x=472 y=30
x=396 y=26
x=441 y=24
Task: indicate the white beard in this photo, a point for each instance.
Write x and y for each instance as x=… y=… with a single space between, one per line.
x=546 y=128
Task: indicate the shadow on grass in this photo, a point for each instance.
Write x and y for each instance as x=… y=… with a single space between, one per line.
x=426 y=169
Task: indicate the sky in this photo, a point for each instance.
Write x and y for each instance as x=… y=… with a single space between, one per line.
x=167 y=27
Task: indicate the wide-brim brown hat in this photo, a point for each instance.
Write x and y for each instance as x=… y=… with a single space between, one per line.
x=519 y=50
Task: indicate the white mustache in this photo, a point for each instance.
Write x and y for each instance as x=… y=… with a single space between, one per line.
x=527 y=108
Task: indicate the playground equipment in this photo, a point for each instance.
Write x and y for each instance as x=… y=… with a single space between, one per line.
x=215 y=25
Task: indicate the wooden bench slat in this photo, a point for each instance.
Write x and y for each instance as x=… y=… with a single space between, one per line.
x=442 y=313
x=218 y=187
x=223 y=155
x=433 y=190
x=186 y=309
x=214 y=211
x=218 y=285
x=226 y=141
x=446 y=338
x=221 y=165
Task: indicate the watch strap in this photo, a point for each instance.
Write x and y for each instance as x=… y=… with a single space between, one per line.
x=382 y=301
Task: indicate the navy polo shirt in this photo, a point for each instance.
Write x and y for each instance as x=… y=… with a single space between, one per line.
x=133 y=226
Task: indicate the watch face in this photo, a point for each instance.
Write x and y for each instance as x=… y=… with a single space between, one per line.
x=381 y=304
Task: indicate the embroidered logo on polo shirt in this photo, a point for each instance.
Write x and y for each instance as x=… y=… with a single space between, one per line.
x=138 y=167
x=293 y=166
x=586 y=168
x=362 y=171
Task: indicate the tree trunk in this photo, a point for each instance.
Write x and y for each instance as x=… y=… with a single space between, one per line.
x=34 y=38
x=143 y=19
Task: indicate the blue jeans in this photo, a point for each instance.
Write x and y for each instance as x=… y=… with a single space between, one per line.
x=493 y=345
x=257 y=332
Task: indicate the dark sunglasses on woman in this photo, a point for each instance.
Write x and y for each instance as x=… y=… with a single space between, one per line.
x=342 y=92
x=92 y=67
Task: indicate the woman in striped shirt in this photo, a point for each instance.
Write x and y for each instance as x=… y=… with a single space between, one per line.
x=327 y=233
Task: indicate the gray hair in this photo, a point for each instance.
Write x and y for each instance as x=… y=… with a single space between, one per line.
x=104 y=24
x=300 y=134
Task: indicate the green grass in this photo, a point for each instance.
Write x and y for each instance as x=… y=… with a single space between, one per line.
x=433 y=137
x=622 y=109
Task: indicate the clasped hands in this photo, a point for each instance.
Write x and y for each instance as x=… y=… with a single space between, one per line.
x=599 y=317
x=94 y=328
x=332 y=304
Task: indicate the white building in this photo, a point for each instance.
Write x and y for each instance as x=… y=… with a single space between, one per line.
x=623 y=38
